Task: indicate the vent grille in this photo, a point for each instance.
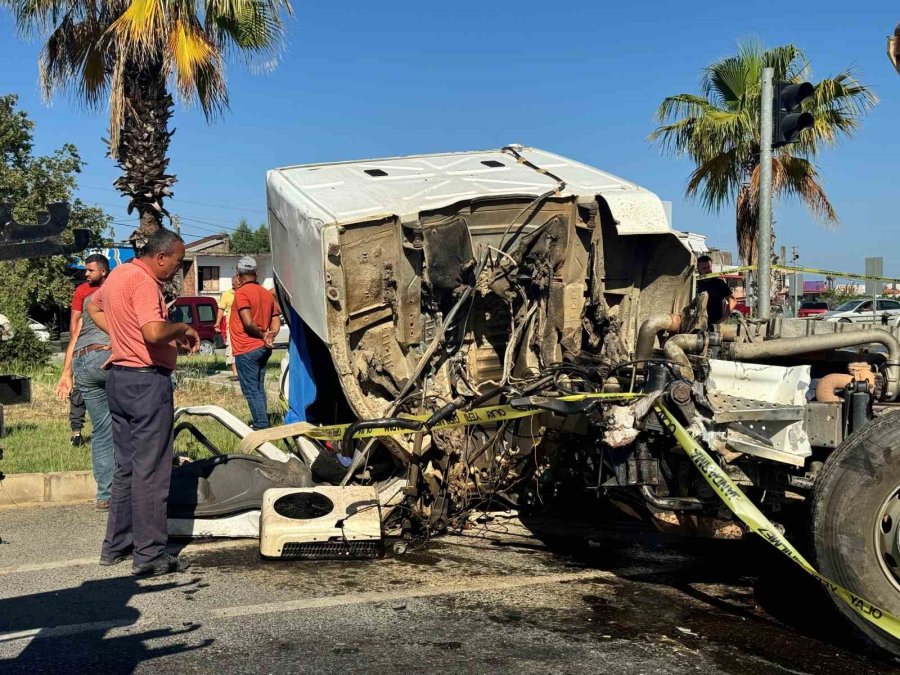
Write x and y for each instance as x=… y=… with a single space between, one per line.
x=328 y=550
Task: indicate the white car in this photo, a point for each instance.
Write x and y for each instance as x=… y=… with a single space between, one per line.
x=40 y=330
x=885 y=312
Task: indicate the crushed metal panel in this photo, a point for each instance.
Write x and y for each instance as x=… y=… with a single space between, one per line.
x=775 y=384
x=766 y=400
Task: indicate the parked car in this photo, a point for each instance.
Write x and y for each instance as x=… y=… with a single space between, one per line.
x=812 y=310
x=862 y=311
x=742 y=307
x=40 y=330
x=200 y=313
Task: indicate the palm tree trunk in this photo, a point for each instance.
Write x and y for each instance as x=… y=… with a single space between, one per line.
x=143 y=146
x=747 y=225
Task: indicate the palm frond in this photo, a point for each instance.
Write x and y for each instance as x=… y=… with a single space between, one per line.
x=726 y=81
x=795 y=176
x=140 y=31
x=788 y=61
x=715 y=181
x=838 y=106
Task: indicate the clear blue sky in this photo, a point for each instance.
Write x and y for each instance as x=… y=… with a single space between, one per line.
x=582 y=79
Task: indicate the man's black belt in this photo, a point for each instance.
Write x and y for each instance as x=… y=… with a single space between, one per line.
x=159 y=370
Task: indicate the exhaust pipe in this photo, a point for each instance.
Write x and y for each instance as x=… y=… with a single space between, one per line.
x=653 y=326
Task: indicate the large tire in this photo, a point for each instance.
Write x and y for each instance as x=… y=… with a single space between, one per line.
x=860 y=477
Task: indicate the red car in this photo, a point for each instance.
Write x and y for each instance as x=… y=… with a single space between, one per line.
x=200 y=313
x=742 y=307
x=811 y=310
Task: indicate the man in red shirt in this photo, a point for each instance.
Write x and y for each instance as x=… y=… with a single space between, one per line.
x=86 y=353
x=254 y=323
x=131 y=308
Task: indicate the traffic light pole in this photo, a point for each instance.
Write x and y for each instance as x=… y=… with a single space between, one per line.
x=764 y=247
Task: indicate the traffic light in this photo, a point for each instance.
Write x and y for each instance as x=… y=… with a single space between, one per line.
x=789 y=119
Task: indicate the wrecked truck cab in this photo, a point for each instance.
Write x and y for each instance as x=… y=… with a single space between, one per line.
x=374 y=255
x=436 y=290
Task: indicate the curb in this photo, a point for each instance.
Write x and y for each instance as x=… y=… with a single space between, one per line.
x=61 y=487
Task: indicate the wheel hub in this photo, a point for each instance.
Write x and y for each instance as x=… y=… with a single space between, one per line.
x=887 y=536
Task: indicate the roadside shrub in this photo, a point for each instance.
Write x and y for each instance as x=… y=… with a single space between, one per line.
x=24 y=352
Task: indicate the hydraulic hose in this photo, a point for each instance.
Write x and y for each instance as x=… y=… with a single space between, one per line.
x=814 y=343
x=356 y=427
x=670 y=503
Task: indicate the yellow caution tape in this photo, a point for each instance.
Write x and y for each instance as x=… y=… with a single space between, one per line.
x=492 y=414
x=746 y=510
x=804 y=270
x=730 y=270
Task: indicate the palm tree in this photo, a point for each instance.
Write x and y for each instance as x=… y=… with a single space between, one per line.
x=132 y=54
x=719 y=131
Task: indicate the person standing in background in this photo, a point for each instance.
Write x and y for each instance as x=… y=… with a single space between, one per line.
x=222 y=317
x=254 y=324
x=131 y=307
x=720 y=301
x=83 y=376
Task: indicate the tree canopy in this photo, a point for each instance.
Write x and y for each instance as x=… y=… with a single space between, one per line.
x=245 y=241
x=29 y=183
x=127 y=55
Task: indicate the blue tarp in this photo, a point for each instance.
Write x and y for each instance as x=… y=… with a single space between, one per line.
x=301 y=385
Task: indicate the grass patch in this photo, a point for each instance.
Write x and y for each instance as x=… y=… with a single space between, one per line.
x=38 y=433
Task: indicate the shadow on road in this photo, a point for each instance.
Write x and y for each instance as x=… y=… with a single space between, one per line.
x=746 y=595
x=66 y=630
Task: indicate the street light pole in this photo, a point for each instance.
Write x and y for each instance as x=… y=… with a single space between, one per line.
x=764 y=247
x=794 y=256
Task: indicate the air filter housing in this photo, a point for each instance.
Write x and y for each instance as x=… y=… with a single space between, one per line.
x=322 y=522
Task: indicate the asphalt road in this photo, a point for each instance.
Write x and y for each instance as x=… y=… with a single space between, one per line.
x=499 y=599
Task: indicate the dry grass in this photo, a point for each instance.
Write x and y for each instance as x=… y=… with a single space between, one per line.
x=38 y=434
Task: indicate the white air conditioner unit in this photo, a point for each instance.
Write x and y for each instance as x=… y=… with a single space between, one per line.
x=321 y=522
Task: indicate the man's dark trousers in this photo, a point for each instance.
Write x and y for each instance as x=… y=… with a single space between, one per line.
x=142 y=417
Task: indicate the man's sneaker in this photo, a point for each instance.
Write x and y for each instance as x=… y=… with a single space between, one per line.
x=102 y=505
x=77 y=439
x=114 y=560
x=165 y=564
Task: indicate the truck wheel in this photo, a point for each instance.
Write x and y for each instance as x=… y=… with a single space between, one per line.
x=207 y=348
x=856 y=522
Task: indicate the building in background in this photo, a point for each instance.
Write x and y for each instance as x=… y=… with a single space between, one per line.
x=208 y=266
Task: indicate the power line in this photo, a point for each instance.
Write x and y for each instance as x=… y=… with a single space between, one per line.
x=190 y=230
x=221 y=226
x=187 y=201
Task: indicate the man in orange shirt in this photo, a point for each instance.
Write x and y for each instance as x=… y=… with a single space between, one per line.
x=131 y=308
x=254 y=323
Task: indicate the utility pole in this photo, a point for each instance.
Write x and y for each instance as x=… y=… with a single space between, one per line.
x=795 y=255
x=764 y=247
